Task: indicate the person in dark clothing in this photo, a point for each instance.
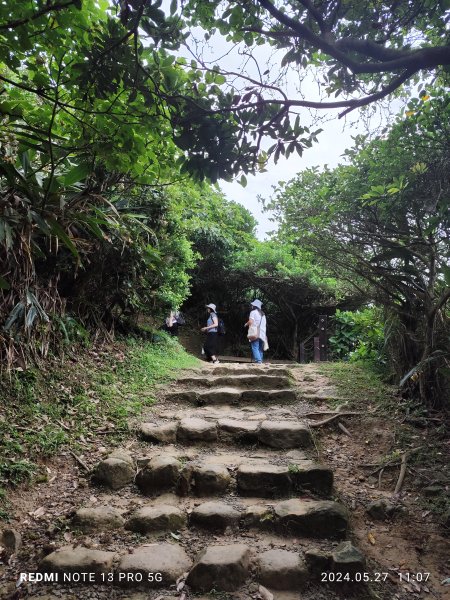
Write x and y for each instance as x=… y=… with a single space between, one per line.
x=211 y=343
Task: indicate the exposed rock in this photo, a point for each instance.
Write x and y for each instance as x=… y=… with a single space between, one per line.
x=193 y=429
x=296 y=455
x=215 y=516
x=380 y=510
x=222 y=568
x=160 y=475
x=183 y=396
x=281 y=570
x=78 y=560
x=265 y=593
x=11 y=540
x=318 y=561
x=114 y=473
x=321 y=519
x=165 y=433
x=122 y=454
x=210 y=480
x=98 y=519
x=263 y=480
x=348 y=559
x=285 y=434
x=184 y=480
x=258 y=515
x=269 y=396
x=156 y=518
x=157 y=565
x=239 y=381
x=308 y=475
x=226 y=395
x=240 y=431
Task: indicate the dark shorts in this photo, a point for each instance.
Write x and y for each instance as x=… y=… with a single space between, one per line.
x=211 y=344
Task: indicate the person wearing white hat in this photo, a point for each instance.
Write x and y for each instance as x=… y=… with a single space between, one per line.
x=211 y=329
x=257 y=327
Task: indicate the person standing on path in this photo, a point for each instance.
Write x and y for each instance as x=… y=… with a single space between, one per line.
x=257 y=336
x=211 y=329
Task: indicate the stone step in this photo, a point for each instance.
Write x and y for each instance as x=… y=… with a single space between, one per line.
x=168 y=474
x=261 y=381
x=271 y=481
x=223 y=567
x=275 y=434
x=302 y=518
x=214 y=474
x=232 y=395
x=246 y=369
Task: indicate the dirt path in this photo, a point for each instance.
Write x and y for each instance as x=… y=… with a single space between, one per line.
x=235 y=489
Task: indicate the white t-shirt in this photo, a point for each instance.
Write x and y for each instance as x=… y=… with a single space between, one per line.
x=257 y=319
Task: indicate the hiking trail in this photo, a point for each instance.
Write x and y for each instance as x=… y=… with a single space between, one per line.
x=221 y=492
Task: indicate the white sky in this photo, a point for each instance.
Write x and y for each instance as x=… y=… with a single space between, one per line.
x=333 y=140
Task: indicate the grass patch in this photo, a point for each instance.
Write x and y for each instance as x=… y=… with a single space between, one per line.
x=360 y=384
x=69 y=404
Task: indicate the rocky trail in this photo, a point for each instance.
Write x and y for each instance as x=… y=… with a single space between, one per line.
x=224 y=493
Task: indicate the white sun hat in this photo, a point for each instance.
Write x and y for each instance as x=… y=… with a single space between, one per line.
x=257 y=303
x=212 y=306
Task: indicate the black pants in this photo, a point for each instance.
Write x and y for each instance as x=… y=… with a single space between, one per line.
x=210 y=345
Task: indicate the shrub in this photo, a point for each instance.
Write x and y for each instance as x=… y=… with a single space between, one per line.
x=358 y=335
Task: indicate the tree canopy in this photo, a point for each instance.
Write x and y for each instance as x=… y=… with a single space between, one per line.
x=382 y=223
x=115 y=76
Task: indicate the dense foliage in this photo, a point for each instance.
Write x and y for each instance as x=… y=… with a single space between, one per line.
x=293 y=288
x=382 y=223
x=358 y=335
x=359 y=51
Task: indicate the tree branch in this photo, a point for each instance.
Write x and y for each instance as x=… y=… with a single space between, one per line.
x=412 y=61
x=40 y=13
x=315 y=13
x=370 y=48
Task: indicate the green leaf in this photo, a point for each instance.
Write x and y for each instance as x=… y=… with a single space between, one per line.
x=40 y=222
x=75 y=175
x=59 y=232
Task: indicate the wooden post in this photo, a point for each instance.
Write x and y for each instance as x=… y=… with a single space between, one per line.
x=316 y=350
x=323 y=337
x=301 y=353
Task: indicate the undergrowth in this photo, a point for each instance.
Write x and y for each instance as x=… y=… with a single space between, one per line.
x=75 y=403
x=424 y=436
x=360 y=384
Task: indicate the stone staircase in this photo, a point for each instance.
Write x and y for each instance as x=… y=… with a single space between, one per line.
x=222 y=491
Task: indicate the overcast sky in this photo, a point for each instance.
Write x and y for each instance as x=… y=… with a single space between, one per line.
x=332 y=142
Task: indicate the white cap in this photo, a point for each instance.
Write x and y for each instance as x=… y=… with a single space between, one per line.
x=212 y=306
x=257 y=303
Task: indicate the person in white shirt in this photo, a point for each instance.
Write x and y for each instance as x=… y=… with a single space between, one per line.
x=257 y=327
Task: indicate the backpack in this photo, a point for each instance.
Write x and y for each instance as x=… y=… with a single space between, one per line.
x=221 y=329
